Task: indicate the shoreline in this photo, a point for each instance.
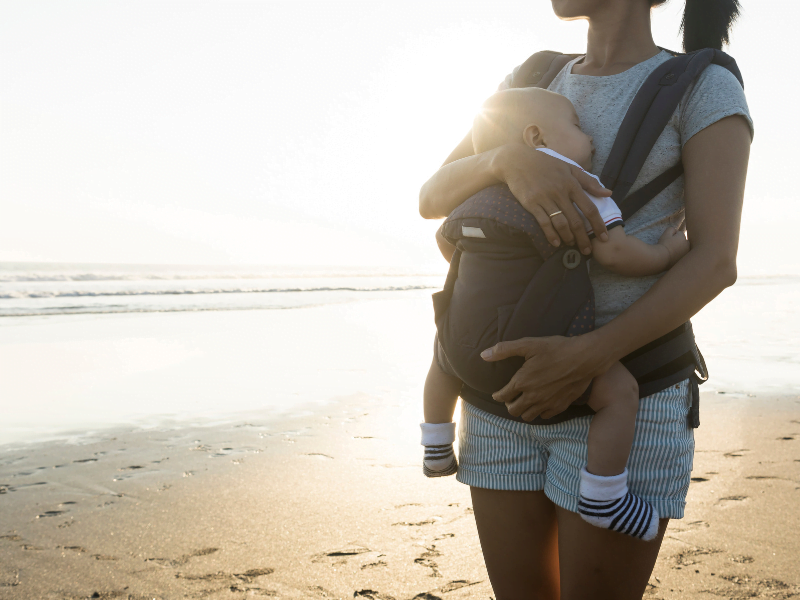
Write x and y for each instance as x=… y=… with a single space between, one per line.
x=333 y=504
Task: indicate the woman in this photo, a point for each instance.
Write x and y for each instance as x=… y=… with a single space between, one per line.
x=524 y=478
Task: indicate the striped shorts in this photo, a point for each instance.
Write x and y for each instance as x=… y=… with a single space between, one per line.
x=501 y=454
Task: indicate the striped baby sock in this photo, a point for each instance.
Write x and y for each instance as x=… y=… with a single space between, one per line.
x=438 y=440
x=607 y=503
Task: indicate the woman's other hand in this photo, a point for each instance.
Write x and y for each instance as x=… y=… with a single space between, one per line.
x=557 y=370
x=545 y=185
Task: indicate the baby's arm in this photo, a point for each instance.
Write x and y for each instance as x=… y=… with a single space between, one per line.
x=446 y=248
x=627 y=255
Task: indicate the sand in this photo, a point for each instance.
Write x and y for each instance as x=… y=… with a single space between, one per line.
x=333 y=504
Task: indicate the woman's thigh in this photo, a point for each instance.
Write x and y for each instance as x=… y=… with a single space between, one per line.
x=598 y=564
x=519 y=538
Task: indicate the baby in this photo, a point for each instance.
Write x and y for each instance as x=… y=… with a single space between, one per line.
x=548 y=122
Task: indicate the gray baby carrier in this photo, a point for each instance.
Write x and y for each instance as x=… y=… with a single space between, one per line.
x=507 y=282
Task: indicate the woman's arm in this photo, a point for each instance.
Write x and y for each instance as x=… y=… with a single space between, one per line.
x=557 y=369
x=541 y=183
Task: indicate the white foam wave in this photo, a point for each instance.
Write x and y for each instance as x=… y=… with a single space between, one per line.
x=21 y=294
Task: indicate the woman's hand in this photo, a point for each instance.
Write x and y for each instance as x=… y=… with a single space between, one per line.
x=545 y=185
x=557 y=370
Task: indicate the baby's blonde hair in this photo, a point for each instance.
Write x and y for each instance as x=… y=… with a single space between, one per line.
x=504 y=116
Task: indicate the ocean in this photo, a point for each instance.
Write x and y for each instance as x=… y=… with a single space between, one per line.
x=39 y=289
x=84 y=348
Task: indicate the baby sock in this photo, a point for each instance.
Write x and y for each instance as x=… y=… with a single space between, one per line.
x=438 y=440
x=606 y=502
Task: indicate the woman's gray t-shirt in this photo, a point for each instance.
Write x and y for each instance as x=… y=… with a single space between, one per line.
x=601 y=103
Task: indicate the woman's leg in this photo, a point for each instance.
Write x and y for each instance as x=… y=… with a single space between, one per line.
x=519 y=539
x=597 y=564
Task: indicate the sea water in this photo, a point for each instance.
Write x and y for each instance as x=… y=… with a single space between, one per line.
x=87 y=347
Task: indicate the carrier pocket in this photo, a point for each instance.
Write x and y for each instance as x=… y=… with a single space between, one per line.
x=503 y=317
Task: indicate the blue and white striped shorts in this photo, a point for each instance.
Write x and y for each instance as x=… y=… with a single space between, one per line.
x=501 y=454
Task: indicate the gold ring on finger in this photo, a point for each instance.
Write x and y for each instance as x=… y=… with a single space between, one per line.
x=558 y=212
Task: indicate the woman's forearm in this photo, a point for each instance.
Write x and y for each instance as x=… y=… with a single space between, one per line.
x=455 y=182
x=715 y=162
x=680 y=294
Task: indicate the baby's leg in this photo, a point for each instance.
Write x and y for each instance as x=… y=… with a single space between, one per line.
x=605 y=500
x=438 y=430
x=615 y=400
x=440 y=395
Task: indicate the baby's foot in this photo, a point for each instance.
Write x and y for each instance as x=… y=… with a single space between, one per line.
x=439 y=459
x=606 y=502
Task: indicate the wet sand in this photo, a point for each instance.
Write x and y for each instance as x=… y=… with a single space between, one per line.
x=333 y=504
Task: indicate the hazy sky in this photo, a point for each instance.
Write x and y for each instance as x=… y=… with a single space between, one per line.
x=297 y=131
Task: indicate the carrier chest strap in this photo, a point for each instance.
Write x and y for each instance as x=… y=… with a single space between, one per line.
x=633 y=202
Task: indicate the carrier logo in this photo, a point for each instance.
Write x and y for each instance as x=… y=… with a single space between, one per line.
x=475 y=232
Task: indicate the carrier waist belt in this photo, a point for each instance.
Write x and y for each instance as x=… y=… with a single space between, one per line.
x=656 y=366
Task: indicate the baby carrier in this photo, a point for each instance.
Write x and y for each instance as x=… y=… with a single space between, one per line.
x=507 y=282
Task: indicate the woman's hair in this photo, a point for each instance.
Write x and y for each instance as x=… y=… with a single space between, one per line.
x=706 y=23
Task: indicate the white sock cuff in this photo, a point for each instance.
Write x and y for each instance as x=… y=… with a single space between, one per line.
x=597 y=487
x=436 y=434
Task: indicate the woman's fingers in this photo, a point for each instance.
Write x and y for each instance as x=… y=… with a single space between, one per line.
x=521 y=347
x=588 y=208
x=589 y=183
x=561 y=224
x=547 y=225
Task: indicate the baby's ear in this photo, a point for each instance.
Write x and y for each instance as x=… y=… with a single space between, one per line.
x=533 y=136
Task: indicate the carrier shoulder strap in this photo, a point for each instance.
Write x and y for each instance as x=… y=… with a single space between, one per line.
x=648 y=114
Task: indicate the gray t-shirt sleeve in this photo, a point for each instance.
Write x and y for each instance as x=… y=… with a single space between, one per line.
x=715 y=95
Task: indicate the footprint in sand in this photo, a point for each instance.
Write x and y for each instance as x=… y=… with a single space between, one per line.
x=457 y=585
x=728 y=501
x=690 y=526
x=373 y=565
x=419 y=523
x=371 y=595
x=741 y=559
x=736 y=453
x=692 y=556
x=746 y=586
x=426 y=560
x=183 y=559
x=246 y=577
x=699 y=479
x=341 y=554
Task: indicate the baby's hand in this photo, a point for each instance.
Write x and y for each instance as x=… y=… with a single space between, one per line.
x=676 y=244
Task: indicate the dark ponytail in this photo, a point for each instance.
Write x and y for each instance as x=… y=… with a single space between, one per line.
x=706 y=23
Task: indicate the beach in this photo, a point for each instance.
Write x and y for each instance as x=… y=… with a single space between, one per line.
x=274 y=453
x=335 y=505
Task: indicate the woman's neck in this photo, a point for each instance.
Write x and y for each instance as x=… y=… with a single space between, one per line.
x=619 y=38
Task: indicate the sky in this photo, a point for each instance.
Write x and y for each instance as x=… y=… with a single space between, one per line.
x=298 y=132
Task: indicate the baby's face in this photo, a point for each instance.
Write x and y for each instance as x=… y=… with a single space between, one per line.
x=562 y=133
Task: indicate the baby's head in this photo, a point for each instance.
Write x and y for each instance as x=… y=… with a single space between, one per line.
x=536 y=117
